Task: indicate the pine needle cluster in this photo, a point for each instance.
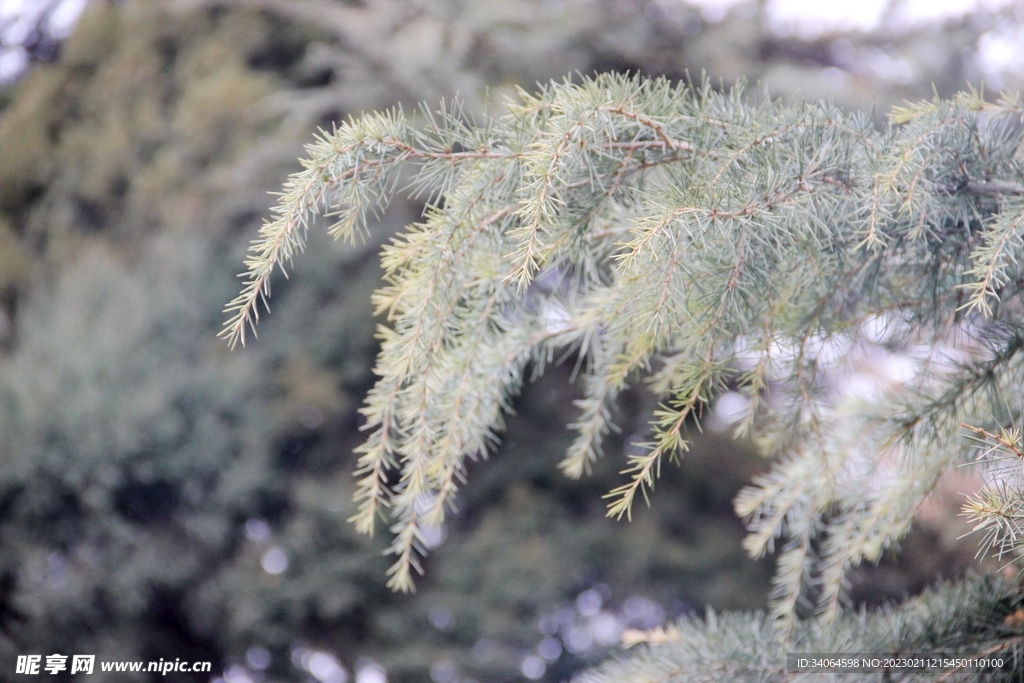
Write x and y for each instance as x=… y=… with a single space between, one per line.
x=997 y=510
x=697 y=240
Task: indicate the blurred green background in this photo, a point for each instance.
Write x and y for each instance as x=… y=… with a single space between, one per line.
x=164 y=497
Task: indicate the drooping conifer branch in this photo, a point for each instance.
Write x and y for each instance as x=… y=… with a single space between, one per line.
x=705 y=239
